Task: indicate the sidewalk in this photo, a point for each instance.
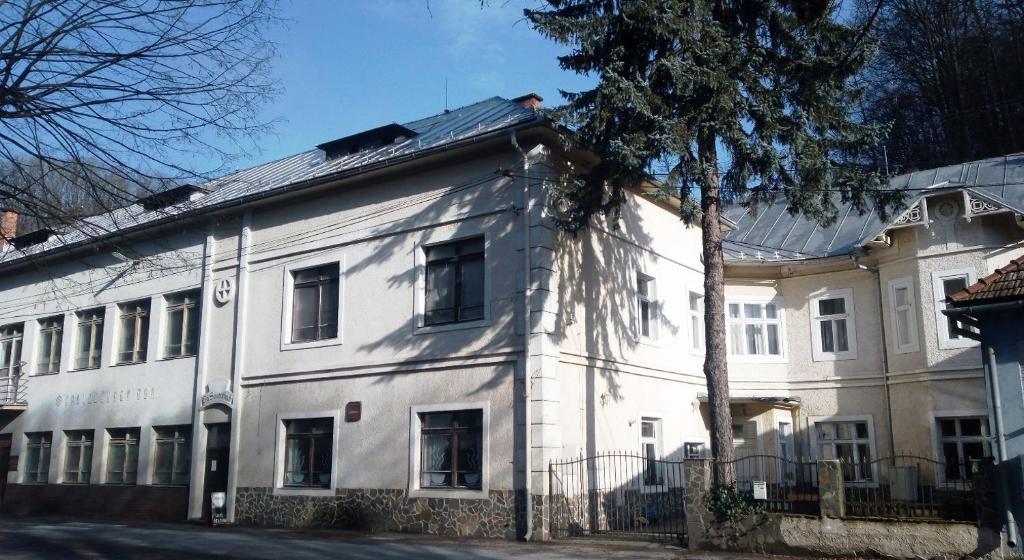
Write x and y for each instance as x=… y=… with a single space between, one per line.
x=30 y=538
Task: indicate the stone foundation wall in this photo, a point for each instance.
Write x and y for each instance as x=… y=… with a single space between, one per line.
x=384 y=510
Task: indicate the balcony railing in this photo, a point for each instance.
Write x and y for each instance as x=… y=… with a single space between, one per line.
x=13 y=391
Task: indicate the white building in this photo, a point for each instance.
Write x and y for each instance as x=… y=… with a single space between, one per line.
x=388 y=331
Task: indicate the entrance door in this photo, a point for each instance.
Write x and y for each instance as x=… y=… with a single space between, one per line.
x=5 y=458
x=218 y=437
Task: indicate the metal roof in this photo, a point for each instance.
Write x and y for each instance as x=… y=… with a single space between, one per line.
x=776 y=234
x=292 y=172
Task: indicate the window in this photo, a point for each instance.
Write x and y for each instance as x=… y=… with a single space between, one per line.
x=694 y=450
x=78 y=456
x=904 y=317
x=650 y=449
x=451 y=449
x=697 y=322
x=134 y=332
x=964 y=441
x=832 y=326
x=454 y=282
x=89 y=338
x=315 y=303
x=754 y=329
x=173 y=455
x=51 y=335
x=122 y=456
x=849 y=442
x=10 y=354
x=744 y=439
x=787 y=472
x=645 y=306
x=943 y=284
x=182 y=328
x=308 y=456
x=37 y=462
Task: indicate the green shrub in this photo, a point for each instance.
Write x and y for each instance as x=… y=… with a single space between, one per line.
x=728 y=503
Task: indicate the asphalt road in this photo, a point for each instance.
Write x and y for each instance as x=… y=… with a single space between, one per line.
x=35 y=538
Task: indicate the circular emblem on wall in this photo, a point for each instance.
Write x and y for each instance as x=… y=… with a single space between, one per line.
x=224 y=290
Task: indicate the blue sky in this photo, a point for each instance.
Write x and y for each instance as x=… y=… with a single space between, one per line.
x=347 y=66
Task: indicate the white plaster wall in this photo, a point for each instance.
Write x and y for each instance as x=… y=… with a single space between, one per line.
x=158 y=392
x=374 y=452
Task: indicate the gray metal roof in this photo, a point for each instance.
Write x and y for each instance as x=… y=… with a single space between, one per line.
x=435 y=132
x=772 y=233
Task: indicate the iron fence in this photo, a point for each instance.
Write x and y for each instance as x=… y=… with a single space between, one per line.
x=13 y=390
x=911 y=487
x=788 y=485
x=618 y=495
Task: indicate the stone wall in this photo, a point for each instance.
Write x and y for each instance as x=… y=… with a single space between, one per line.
x=384 y=510
x=823 y=537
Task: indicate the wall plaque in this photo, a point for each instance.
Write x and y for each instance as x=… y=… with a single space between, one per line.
x=224 y=290
x=353 y=411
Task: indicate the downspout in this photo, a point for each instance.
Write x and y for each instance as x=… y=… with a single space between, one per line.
x=997 y=411
x=527 y=439
x=885 y=351
x=238 y=357
x=198 y=433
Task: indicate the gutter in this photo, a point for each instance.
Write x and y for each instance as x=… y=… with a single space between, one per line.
x=527 y=354
x=885 y=349
x=26 y=260
x=997 y=409
x=972 y=310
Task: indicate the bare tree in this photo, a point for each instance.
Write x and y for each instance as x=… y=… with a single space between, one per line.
x=103 y=100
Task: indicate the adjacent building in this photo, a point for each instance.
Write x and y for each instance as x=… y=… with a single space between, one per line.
x=388 y=331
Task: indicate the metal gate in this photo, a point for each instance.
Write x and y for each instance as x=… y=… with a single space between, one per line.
x=618 y=495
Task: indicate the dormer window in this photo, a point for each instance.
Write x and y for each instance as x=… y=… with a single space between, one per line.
x=367 y=140
x=172 y=196
x=31 y=238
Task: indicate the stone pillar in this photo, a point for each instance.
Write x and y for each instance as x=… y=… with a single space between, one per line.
x=697 y=474
x=831 y=491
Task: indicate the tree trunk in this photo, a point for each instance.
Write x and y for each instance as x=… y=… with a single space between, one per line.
x=715 y=367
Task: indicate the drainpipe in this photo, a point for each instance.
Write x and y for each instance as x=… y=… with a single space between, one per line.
x=997 y=410
x=238 y=358
x=527 y=292
x=885 y=351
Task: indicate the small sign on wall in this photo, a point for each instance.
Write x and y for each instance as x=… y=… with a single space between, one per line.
x=760 y=490
x=353 y=411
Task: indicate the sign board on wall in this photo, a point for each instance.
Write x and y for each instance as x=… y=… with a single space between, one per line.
x=760 y=490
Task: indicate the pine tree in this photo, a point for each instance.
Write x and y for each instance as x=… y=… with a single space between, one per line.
x=737 y=101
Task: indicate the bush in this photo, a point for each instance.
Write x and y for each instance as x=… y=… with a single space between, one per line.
x=728 y=503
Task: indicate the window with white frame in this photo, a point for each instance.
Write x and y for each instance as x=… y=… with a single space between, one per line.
x=963 y=441
x=77 y=456
x=181 y=333
x=945 y=283
x=833 y=327
x=89 y=338
x=134 y=332
x=744 y=439
x=51 y=336
x=755 y=329
x=308 y=452
x=646 y=308
x=172 y=455
x=10 y=355
x=315 y=295
x=787 y=450
x=849 y=442
x=904 y=315
x=451 y=449
x=37 y=460
x=696 y=313
x=454 y=282
x=650 y=450
x=122 y=455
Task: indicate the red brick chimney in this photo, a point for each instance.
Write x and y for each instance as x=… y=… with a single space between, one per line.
x=8 y=225
x=530 y=101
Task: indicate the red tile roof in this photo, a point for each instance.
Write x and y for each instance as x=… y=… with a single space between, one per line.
x=1005 y=284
